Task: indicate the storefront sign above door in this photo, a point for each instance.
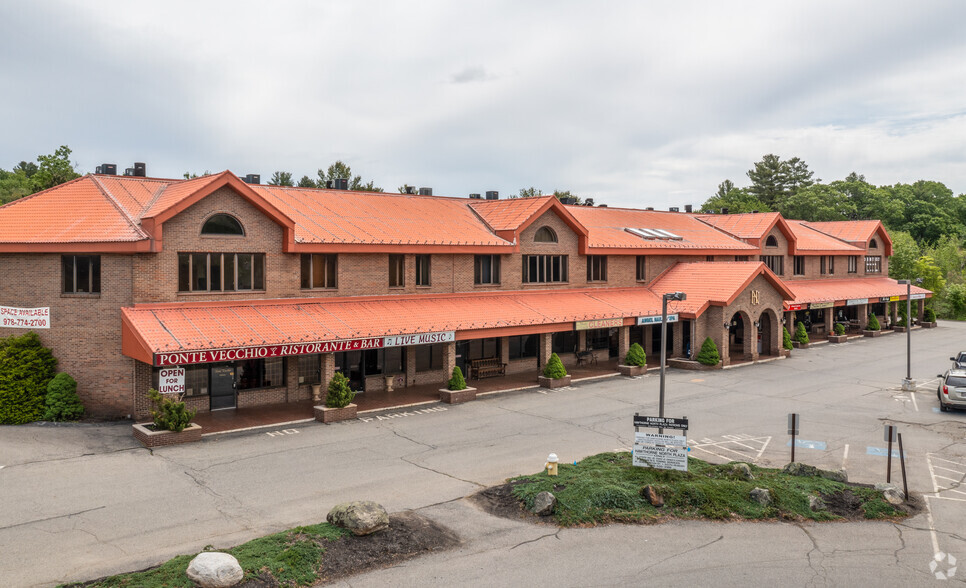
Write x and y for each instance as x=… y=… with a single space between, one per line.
x=421 y=339
x=856 y=301
x=894 y=298
x=650 y=320
x=598 y=324
x=917 y=297
x=817 y=305
x=802 y=306
x=264 y=351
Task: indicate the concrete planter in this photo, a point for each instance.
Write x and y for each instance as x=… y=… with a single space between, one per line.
x=324 y=414
x=838 y=338
x=457 y=396
x=931 y=325
x=690 y=364
x=868 y=333
x=798 y=345
x=632 y=370
x=785 y=352
x=553 y=382
x=145 y=433
x=898 y=329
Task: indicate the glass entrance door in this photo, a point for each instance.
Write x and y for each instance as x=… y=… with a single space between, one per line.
x=222 y=387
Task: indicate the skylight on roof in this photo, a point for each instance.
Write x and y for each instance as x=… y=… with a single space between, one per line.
x=654 y=234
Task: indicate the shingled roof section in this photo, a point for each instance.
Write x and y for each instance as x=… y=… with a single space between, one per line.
x=839 y=289
x=855 y=231
x=815 y=242
x=715 y=283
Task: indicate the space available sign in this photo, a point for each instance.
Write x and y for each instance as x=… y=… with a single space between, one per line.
x=420 y=339
x=25 y=318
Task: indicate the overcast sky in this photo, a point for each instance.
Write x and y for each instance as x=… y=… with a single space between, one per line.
x=632 y=103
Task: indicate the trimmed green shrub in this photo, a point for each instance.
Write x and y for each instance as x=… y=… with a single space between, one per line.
x=800 y=334
x=555 y=368
x=929 y=316
x=839 y=329
x=786 y=338
x=874 y=323
x=26 y=367
x=902 y=315
x=635 y=356
x=63 y=403
x=457 y=382
x=339 y=394
x=709 y=353
x=168 y=414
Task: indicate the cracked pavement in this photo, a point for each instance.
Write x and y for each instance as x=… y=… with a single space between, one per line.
x=102 y=504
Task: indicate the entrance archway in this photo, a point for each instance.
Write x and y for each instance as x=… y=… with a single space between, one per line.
x=737 y=339
x=765 y=328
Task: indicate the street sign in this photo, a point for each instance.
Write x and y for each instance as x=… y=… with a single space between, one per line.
x=650 y=320
x=658 y=439
x=661 y=457
x=660 y=422
x=889 y=434
x=793 y=422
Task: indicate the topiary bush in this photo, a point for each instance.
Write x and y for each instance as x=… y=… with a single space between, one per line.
x=839 y=329
x=709 y=353
x=800 y=334
x=874 y=323
x=457 y=382
x=63 y=403
x=635 y=356
x=555 y=368
x=786 y=338
x=929 y=316
x=902 y=316
x=168 y=414
x=26 y=367
x=339 y=394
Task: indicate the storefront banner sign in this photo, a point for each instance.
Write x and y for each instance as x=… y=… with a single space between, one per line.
x=25 y=318
x=650 y=320
x=895 y=298
x=856 y=301
x=420 y=339
x=797 y=307
x=171 y=380
x=917 y=297
x=263 y=351
x=598 y=324
x=818 y=305
x=884 y=299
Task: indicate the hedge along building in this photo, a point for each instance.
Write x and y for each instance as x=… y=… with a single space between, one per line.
x=261 y=291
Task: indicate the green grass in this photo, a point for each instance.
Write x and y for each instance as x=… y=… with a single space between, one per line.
x=292 y=557
x=607 y=488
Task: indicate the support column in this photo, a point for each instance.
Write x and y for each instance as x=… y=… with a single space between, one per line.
x=863 y=312
x=829 y=321
x=292 y=378
x=411 y=366
x=544 y=348
x=328 y=370
x=581 y=340
x=677 y=346
x=921 y=304
x=449 y=359
x=646 y=343
x=623 y=343
x=894 y=312
x=790 y=322
x=504 y=350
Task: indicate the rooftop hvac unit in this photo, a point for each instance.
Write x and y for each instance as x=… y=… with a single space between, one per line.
x=108 y=169
x=425 y=191
x=492 y=195
x=253 y=179
x=340 y=183
x=649 y=208
x=129 y=171
x=568 y=200
x=687 y=208
x=724 y=211
x=674 y=209
x=475 y=196
x=140 y=170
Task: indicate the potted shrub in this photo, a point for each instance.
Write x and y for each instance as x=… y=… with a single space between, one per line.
x=901 y=323
x=338 y=401
x=171 y=423
x=554 y=373
x=801 y=337
x=635 y=362
x=456 y=390
x=786 y=342
x=929 y=319
x=709 y=355
x=873 y=327
x=839 y=336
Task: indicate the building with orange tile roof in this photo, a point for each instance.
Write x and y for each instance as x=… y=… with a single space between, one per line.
x=261 y=292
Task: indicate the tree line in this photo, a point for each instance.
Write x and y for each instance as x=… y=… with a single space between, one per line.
x=926 y=221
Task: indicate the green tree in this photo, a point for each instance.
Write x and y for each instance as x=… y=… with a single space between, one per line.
x=530 y=192
x=339 y=394
x=568 y=194
x=555 y=368
x=14 y=185
x=26 y=367
x=307 y=182
x=905 y=253
x=818 y=202
x=635 y=356
x=931 y=274
x=801 y=335
x=281 y=178
x=773 y=178
x=709 y=353
x=456 y=381
x=786 y=338
x=341 y=171
x=54 y=169
x=736 y=200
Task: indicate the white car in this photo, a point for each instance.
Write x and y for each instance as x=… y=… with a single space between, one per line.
x=952 y=390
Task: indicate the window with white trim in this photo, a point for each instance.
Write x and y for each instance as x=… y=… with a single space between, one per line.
x=873 y=264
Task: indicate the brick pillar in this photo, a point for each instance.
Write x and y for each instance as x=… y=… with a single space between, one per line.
x=449 y=358
x=411 y=366
x=829 y=321
x=790 y=321
x=921 y=304
x=505 y=350
x=646 y=343
x=863 y=316
x=894 y=312
x=623 y=343
x=581 y=340
x=677 y=346
x=544 y=348
x=328 y=370
x=292 y=379
x=751 y=343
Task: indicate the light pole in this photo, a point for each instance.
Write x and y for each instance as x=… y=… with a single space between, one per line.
x=664 y=299
x=908 y=384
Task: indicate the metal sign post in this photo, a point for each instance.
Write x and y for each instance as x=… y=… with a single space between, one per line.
x=793 y=422
x=902 y=462
x=890 y=436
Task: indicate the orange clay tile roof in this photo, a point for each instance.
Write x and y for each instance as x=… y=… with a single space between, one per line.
x=606 y=227
x=854 y=231
x=751 y=225
x=510 y=214
x=174 y=327
x=831 y=290
x=809 y=240
x=712 y=283
x=340 y=216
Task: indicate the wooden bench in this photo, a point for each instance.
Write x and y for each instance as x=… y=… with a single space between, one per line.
x=490 y=366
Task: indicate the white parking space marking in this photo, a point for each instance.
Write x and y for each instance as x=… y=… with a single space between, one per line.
x=734 y=447
x=927 y=383
x=845 y=455
x=947 y=477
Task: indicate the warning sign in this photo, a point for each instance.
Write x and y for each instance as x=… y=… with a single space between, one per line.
x=661 y=457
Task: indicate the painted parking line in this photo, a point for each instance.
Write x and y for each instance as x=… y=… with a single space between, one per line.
x=948 y=477
x=819 y=445
x=881 y=451
x=733 y=447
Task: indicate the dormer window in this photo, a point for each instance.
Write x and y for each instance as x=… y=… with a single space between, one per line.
x=771 y=241
x=873 y=244
x=222 y=224
x=545 y=235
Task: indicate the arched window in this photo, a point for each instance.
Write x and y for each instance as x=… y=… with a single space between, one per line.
x=771 y=241
x=873 y=244
x=222 y=224
x=545 y=235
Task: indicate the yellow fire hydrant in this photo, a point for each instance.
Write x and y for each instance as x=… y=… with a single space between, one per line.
x=551 y=464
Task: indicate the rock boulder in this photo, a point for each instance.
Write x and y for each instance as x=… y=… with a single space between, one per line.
x=543 y=504
x=213 y=569
x=891 y=493
x=761 y=495
x=651 y=495
x=361 y=517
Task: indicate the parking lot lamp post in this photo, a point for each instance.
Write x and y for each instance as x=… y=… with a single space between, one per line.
x=908 y=384
x=664 y=299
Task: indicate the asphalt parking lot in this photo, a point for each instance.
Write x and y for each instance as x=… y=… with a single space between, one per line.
x=103 y=504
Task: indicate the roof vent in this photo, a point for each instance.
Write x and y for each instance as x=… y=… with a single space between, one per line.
x=340 y=183
x=674 y=209
x=492 y=195
x=107 y=169
x=601 y=206
x=649 y=208
x=654 y=234
x=407 y=189
x=425 y=191
x=568 y=200
x=724 y=211
x=688 y=208
x=129 y=171
x=252 y=179
x=140 y=170
x=475 y=196
x=754 y=212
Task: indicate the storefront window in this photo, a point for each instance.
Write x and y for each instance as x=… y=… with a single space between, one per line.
x=598 y=339
x=310 y=369
x=564 y=342
x=260 y=373
x=429 y=357
x=522 y=346
x=394 y=360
